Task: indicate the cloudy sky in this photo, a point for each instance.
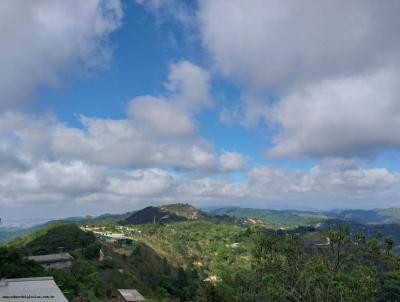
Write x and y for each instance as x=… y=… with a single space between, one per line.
x=108 y=106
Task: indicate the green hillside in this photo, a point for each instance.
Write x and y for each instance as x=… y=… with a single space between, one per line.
x=207 y=259
x=274 y=217
x=184 y=210
x=375 y=216
x=7 y=234
x=367 y=229
x=204 y=244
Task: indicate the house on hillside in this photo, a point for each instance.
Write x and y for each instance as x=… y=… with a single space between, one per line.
x=315 y=242
x=41 y=289
x=57 y=261
x=129 y=295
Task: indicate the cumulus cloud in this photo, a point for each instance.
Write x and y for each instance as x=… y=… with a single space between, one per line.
x=345 y=117
x=187 y=93
x=329 y=69
x=158 y=132
x=70 y=183
x=336 y=183
x=151 y=182
x=41 y=40
x=331 y=90
x=232 y=161
x=276 y=44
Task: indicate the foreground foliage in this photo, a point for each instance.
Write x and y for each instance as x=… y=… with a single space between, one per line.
x=205 y=261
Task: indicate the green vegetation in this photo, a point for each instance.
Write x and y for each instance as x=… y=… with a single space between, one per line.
x=152 y=214
x=202 y=244
x=184 y=210
x=9 y=233
x=369 y=230
x=377 y=216
x=274 y=218
x=209 y=258
x=53 y=237
x=282 y=270
x=14 y=265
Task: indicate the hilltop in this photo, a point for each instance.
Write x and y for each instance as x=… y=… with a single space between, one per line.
x=184 y=210
x=151 y=215
x=175 y=212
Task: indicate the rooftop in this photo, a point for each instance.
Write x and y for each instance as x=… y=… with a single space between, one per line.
x=52 y=258
x=39 y=289
x=131 y=295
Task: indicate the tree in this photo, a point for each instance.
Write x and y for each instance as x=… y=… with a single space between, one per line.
x=389 y=244
x=14 y=265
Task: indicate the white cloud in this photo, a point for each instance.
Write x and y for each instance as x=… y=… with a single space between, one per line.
x=276 y=44
x=57 y=179
x=332 y=183
x=152 y=182
x=42 y=40
x=159 y=131
x=187 y=93
x=161 y=118
x=166 y=8
x=343 y=117
x=329 y=69
x=102 y=141
x=232 y=161
x=72 y=183
x=331 y=89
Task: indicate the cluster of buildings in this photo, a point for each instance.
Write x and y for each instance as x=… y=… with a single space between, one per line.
x=125 y=237
x=45 y=289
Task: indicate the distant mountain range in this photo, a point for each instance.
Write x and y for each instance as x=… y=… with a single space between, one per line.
x=375 y=216
x=386 y=220
x=10 y=233
x=279 y=217
x=289 y=217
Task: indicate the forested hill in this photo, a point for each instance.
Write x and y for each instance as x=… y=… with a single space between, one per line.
x=293 y=217
x=286 y=218
x=175 y=212
x=375 y=216
x=152 y=214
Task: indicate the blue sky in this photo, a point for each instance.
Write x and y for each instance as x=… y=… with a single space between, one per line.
x=109 y=106
x=143 y=48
